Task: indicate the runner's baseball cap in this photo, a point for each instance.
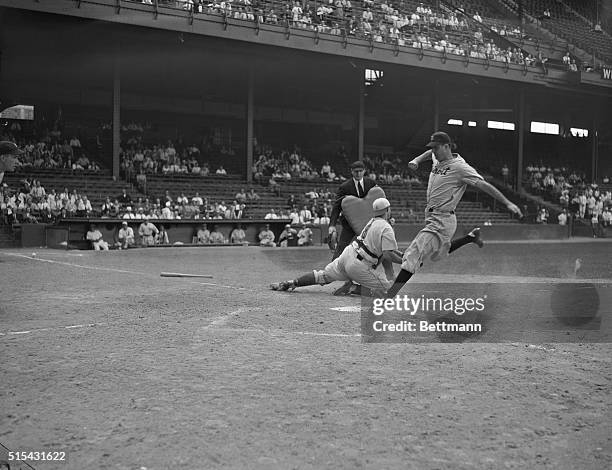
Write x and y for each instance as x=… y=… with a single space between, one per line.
x=9 y=148
x=439 y=138
x=380 y=205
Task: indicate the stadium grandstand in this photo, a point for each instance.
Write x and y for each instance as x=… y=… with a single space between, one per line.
x=176 y=100
x=174 y=295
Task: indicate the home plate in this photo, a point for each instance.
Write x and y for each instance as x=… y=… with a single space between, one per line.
x=348 y=308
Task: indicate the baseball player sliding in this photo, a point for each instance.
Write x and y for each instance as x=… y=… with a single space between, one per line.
x=448 y=180
x=363 y=261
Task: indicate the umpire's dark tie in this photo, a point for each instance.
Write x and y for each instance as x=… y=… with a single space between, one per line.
x=360 y=192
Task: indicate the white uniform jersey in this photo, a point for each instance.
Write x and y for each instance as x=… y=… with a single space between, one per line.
x=448 y=181
x=378 y=236
x=356 y=265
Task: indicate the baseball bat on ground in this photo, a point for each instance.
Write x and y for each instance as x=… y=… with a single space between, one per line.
x=208 y=276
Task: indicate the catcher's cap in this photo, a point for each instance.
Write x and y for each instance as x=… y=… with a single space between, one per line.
x=9 y=148
x=380 y=205
x=357 y=165
x=439 y=138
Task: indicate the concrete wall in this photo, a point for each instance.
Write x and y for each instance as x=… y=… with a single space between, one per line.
x=406 y=232
x=35 y=235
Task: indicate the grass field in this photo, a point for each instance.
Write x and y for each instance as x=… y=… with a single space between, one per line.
x=122 y=369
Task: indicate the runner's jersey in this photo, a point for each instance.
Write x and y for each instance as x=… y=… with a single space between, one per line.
x=448 y=181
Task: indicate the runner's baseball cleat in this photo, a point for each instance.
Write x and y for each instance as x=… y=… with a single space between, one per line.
x=283 y=286
x=475 y=234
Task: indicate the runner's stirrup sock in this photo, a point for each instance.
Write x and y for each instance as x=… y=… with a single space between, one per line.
x=402 y=278
x=472 y=237
x=305 y=280
x=459 y=242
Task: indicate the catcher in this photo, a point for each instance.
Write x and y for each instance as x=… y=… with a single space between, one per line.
x=366 y=261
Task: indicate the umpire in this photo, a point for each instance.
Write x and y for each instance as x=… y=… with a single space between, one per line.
x=356 y=186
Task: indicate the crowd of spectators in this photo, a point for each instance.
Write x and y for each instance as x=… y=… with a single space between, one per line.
x=32 y=203
x=49 y=151
x=138 y=160
x=386 y=169
x=380 y=21
x=179 y=207
x=286 y=165
x=579 y=198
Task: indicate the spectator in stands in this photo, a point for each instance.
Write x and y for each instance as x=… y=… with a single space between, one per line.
x=542 y=217
x=241 y=196
x=274 y=186
x=84 y=208
x=572 y=66
x=95 y=237
x=182 y=199
x=166 y=212
x=606 y=217
x=582 y=205
x=292 y=200
x=197 y=200
x=125 y=236
x=591 y=203
x=235 y=211
x=566 y=59
x=326 y=168
x=28 y=217
x=221 y=171
x=238 y=235
x=252 y=195
x=596 y=226
x=266 y=237
x=70 y=205
x=147 y=231
x=505 y=172
x=124 y=198
x=305 y=237
x=106 y=207
x=271 y=214
x=203 y=235
x=598 y=27
x=305 y=215
x=141 y=180
x=323 y=215
x=294 y=215
x=129 y=214
x=562 y=217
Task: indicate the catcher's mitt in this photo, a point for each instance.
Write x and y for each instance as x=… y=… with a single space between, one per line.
x=332 y=240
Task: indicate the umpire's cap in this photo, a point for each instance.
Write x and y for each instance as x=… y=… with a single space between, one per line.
x=380 y=205
x=357 y=165
x=9 y=148
x=440 y=138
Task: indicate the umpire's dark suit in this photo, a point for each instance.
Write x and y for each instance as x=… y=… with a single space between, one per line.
x=346 y=189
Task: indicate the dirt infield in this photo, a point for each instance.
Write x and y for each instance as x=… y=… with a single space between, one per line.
x=122 y=369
